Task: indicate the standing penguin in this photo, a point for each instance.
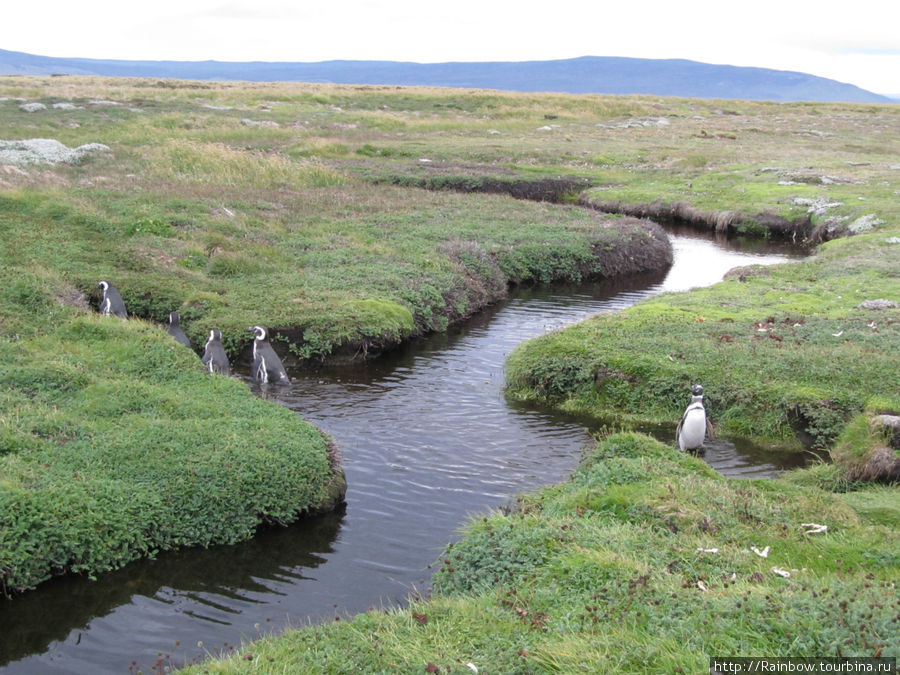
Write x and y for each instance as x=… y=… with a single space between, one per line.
x=214 y=355
x=175 y=331
x=267 y=366
x=693 y=427
x=112 y=303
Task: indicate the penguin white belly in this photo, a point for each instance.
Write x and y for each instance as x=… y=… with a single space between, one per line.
x=261 y=369
x=693 y=428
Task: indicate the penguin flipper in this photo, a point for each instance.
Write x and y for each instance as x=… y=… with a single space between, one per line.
x=678 y=430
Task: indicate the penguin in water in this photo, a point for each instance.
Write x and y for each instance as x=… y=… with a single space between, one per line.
x=694 y=426
x=267 y=366
x=214 y=356
x=112 y=303
x=174 y=329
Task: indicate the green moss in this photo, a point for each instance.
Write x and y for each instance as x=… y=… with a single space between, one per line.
x=383 y=317
x=95 y=408
x=645 y=547
x=308 y=235
x=803 y=349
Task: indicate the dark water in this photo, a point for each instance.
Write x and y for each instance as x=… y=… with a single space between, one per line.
x=428 y=440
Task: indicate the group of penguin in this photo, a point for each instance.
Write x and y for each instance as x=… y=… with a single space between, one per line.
x=267 y=367
x=690 y=434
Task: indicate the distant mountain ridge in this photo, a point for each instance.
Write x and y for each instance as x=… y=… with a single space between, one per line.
x=583 y=75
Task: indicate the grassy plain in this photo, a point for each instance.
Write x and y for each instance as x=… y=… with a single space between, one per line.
x=288 y=203
x=223 y=202
x=231 y=202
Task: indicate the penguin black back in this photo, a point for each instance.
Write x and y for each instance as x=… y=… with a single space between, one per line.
x=267 y=367
x=214 y=356
x=174 y=329
x=112 y=303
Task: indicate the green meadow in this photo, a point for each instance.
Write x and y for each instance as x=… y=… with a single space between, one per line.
x=350 y=219
x=213 y=201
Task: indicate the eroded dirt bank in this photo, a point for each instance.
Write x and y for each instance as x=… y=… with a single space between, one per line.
x=801 y=230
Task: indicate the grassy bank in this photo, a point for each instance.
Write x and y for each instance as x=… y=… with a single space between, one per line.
x=114 y=443
x=352 y=269
x=785 y=354
x=643 y=562
x=235 y=201
x=289 y=205
x=224 y=203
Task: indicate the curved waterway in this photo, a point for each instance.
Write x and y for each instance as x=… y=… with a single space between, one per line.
x=428 y=441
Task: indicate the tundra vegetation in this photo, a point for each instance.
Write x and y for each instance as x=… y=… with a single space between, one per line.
x=643 y=562
x=207 y=207
x=301 y=207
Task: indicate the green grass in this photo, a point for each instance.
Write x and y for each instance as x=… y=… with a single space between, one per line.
x=786 y=351
x=114 y=443
x=331 y=265
x=220 y=201
x=287 y=205
x=604 y=573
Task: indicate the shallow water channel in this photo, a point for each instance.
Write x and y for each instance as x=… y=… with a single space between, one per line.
x=428 y=441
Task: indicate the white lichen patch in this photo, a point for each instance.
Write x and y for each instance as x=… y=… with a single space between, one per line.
x=257 y=123
x=865 y=223
x=45 y=151
x=32 y=107
x=818 y=206
x=638 y=122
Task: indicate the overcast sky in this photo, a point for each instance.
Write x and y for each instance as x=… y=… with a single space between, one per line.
x=856 y=42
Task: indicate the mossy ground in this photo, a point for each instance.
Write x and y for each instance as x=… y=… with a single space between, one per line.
x=232 y=199
x=785 y=353
x=227 y=208
x=643 y=562
x=114 y=444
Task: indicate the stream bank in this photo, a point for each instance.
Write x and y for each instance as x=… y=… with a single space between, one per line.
x=763 y=224
x=409 y=488
x=615 y=247
x=788 y=355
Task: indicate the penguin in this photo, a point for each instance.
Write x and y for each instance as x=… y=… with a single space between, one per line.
x=112 y=303
x=267 y=366
x=693 y=427
x=175 y=331
x=214 y=355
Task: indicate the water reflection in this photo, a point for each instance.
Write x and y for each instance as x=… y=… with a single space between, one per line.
x=428 y=440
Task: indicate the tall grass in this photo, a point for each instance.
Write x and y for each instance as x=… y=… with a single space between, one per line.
x=218 y=164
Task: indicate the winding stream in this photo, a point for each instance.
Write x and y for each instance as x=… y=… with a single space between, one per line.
x=428 y=441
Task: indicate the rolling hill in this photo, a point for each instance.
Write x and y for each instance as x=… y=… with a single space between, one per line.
x=584 y=75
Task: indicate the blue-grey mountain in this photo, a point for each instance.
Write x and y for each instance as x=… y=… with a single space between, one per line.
x=585 y=75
